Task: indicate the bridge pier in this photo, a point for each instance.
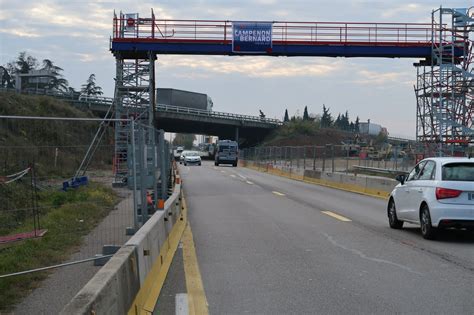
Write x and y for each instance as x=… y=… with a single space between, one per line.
x=237 y=134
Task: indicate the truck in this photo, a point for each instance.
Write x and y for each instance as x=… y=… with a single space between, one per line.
x=182 y=98
x=227 y=152
x=177 y=153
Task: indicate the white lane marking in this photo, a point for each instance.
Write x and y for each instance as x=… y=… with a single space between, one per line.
x=336 y=216
x=223 y=172
x=232 y=175
x=243 y=177
x=249 y=182
x=278 y=193
x=181 y=302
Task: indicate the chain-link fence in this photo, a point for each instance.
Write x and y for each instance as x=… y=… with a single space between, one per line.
x=54 y=212
x=341 y=158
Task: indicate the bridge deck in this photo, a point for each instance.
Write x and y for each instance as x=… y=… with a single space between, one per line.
x=133 y=38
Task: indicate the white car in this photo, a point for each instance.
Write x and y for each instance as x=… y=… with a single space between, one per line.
x=438 y=193
x=192 y=158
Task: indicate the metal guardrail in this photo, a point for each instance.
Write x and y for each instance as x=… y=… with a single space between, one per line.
x=378 y=170
x=285 y=32
x=214 y=114
x=107 y=101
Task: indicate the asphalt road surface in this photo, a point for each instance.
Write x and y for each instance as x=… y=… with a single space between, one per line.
x=270 y=245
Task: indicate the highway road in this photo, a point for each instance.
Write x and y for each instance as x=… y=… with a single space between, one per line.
x=271 y=245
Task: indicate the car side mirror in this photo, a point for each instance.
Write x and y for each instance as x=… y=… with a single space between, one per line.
x=401 y=178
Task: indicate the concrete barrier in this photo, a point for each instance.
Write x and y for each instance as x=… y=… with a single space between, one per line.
x=369 y=185
x=112 y=289
x=128 y=282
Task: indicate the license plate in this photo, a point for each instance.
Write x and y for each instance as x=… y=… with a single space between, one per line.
x=470 y=196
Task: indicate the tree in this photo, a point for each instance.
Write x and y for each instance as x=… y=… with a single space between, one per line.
x=337 y=122
x=58 y=82
x=184 y=139
x=305 y=113
x=326 y=118
x=24 y=63
x=5 y=78
x=286 y=118
x=345 y=121
x=90 y=87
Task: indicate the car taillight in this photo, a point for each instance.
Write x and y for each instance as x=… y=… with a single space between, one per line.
x=444 y=193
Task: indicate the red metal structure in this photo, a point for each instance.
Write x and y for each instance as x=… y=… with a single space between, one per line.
x=211 y=37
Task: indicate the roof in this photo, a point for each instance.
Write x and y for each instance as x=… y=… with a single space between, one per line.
x=445 y=160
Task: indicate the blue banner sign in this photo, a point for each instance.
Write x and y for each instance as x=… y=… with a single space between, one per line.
x=252 y=37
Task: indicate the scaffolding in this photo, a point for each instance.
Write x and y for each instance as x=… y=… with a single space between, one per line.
x=445 y=83
x=134 y=99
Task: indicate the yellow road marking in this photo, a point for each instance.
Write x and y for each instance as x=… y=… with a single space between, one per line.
x=146 y=299
x=197 y=301
x=336 y=216
x=278 y=193
x=249 y=182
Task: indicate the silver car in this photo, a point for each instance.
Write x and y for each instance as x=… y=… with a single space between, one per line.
x=438 y=193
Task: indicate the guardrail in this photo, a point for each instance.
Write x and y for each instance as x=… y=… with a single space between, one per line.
x=214 y=114
x=377 y=170
x=285 y=32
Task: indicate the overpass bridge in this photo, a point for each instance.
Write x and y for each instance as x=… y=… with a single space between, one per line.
x=247 y=129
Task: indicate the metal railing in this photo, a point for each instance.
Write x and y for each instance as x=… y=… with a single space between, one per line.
x=330 y=158
x=403 y=34
x=107 y=101
x=214 y=114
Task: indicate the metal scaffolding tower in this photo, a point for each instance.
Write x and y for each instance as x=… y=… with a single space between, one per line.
x=134 y=99
x=445 y=82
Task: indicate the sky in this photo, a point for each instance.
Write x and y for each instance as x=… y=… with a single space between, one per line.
x=75 y=35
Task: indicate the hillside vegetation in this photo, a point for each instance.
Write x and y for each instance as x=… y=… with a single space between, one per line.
x=306 y=132
x=24 y=142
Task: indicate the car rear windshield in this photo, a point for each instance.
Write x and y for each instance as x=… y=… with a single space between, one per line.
x=458 y=172
x=227 y=147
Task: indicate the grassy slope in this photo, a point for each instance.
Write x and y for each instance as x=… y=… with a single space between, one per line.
x=21 y=143
x=67 y=217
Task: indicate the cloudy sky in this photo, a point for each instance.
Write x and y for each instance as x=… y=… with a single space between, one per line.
x=75 y=34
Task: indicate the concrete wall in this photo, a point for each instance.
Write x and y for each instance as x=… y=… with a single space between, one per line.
x=371 y=185
x=114 y=289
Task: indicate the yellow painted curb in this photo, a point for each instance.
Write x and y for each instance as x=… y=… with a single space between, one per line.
x=197 y=301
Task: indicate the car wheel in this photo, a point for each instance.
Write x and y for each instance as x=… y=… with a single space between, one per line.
x=199 y=164
x=234 y=165
x=427 y=230
x=216 y=164
x=185 y=164
x=392 y=216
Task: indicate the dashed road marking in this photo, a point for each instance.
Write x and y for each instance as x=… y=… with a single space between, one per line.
x=249 y=182
x=336 y=216
x=223 y=172
x=278 y=193
x=243 y=177
x=232 y=175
